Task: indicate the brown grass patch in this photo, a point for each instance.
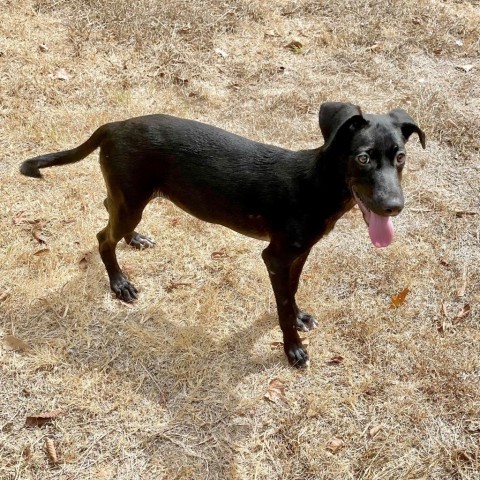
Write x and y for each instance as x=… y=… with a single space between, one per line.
x=173 y=386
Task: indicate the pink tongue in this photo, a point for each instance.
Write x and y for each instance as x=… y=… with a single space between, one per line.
x=380 y=230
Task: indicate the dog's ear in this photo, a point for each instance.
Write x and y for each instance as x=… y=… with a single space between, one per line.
x=337 y=117
x=406 y=124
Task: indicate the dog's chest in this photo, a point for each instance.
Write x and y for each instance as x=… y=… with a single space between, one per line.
x=252 y=225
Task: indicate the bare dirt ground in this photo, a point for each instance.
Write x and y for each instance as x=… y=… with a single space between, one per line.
x=173 y=386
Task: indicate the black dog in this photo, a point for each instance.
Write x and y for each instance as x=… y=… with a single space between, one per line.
x=291 y=199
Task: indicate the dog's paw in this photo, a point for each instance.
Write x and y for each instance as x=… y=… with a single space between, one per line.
x=297 y=355
x=137 y=240
x=124 y=290
x=305 y=322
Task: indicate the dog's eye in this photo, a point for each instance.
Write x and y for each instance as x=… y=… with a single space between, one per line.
x=401 y=158
x=363 y=158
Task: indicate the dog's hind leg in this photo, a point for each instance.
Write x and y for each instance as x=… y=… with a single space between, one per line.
x=123 y=218
x=135 y=239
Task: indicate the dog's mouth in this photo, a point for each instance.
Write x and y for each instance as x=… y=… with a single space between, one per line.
x=380 y=228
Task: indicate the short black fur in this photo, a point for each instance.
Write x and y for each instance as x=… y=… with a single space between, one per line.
x=289 y=198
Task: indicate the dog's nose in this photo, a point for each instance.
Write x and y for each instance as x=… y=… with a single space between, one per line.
x=393 y=207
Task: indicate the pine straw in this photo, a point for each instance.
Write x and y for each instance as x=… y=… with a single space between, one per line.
x=172 y=387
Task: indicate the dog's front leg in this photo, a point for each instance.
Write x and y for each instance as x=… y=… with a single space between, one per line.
x=279 y=261
x=305 y=321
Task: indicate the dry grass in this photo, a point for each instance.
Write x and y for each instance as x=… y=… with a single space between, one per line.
x=173 y=386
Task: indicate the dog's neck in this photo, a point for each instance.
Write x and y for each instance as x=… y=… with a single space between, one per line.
x=323 y=189
x=331 y=179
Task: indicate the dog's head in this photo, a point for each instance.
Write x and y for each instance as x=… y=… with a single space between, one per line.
x=372 y=149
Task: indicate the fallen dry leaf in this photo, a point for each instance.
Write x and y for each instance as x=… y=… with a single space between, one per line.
x=51 y=452
x=464 y=213
x=276 y=391
x=220 y=254
x=374 y=430
x=25 y=392
x=84 y=260
x=42 y=419
x=398 y=299
x=295 y=46
x=11 y=342
x=462 y=314
x=4 y=296
x=37 y=233
x=335 y=445
x=335 y=360
x=463 y=456
x=276 y=345
x=42 y=251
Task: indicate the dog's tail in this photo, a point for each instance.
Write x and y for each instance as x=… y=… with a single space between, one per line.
x=31 y=167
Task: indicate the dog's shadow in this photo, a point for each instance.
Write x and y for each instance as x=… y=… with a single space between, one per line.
x=198 y=381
